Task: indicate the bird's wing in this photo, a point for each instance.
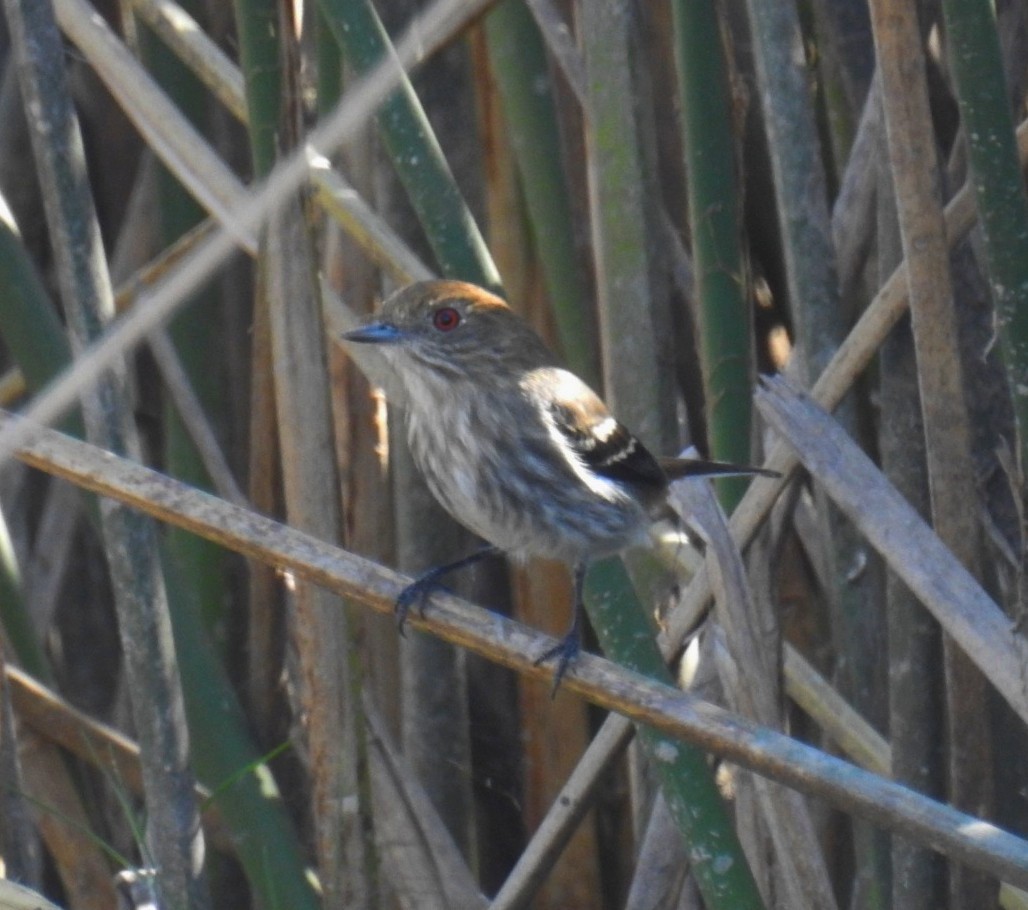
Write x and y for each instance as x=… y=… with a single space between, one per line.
x=591 y=434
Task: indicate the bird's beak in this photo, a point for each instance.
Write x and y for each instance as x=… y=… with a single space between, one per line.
x=375 y=333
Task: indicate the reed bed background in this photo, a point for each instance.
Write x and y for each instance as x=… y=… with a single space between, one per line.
x=202 y=672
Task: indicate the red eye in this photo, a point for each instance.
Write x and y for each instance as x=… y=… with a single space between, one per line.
x=446 y=319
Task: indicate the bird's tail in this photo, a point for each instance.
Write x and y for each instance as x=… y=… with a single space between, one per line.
x=676 y=468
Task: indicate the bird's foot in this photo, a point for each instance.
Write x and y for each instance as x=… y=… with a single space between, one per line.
x=565 y=651
x=426 y=584
x=416 y=594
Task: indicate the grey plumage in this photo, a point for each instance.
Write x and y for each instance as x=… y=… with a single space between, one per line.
x=516 y=448
x=508 y=443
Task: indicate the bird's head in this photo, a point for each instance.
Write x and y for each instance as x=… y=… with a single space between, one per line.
x=452 y=328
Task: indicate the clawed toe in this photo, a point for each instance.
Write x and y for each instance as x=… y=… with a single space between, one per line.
x=415 y=594
x=565 y=651
x=418 y=591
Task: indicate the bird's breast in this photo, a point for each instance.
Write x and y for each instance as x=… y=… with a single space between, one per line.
x=493 y=466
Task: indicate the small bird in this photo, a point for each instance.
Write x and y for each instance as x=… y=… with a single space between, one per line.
x=516 y=448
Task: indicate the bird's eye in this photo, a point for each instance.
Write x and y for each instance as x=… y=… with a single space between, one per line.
x=446 y=319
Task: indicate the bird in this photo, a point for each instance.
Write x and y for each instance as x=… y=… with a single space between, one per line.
x=515 y=447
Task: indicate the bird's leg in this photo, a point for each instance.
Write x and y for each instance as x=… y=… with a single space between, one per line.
x=567 y=649
x=418 y=591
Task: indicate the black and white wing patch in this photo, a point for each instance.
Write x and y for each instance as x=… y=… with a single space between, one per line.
x=592 y=436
